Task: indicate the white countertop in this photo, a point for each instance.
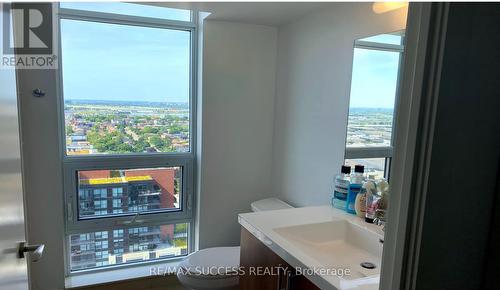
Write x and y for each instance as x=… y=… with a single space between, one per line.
x=263 y=224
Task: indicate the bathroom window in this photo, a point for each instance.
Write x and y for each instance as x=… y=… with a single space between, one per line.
x=374 y=89
x=127 y=96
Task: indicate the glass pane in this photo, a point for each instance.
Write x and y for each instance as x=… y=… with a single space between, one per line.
x=373 y=92
x=126 y=88
x=127 y=245
x=373 y=166
x=131 y=9
x=114 y=192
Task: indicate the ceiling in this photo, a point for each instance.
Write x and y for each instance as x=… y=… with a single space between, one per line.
x=263 y=13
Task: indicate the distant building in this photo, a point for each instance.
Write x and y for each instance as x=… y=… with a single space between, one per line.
x=115 y=192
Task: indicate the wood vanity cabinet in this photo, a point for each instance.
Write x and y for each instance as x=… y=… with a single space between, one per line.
x=255 y=255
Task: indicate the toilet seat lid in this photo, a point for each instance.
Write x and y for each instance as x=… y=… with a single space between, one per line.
x=218 y=261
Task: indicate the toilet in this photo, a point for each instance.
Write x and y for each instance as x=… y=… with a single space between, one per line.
x=217 y=268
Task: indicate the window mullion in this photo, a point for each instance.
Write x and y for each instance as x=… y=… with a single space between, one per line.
x=368 y=152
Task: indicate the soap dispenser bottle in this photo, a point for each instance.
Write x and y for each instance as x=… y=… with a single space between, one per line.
x=372 y=197
x=355 y=186
x=363 y=195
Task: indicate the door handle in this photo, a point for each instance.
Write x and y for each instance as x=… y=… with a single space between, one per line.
x=35 y=250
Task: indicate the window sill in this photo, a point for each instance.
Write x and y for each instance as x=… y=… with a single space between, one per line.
x=121 y=274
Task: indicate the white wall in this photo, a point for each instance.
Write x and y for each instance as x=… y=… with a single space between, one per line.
x=313 y=84
x=239 y=67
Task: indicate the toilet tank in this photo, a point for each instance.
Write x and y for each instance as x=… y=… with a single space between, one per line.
x=269 y=204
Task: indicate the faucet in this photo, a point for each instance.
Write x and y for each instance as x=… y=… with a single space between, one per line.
x=380 y=221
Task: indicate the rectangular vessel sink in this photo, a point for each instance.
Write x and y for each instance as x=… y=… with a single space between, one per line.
x=337 y=244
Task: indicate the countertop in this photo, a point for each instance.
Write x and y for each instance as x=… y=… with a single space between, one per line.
x=263 y=224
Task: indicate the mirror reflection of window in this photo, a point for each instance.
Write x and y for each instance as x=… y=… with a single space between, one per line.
x=374 y=87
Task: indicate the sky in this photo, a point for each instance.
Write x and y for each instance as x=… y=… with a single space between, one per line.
x=116 y=62
x=374 y=77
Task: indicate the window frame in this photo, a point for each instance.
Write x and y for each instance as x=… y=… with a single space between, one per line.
x=386 y=152
x=186 y=160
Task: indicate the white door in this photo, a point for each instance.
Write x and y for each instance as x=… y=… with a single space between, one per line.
x=13 y=249
x=13 y=272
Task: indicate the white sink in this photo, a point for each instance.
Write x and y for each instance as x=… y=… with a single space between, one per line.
x=337 y=244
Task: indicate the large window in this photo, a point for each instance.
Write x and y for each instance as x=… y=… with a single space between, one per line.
x=374 y=89
x=127 y=87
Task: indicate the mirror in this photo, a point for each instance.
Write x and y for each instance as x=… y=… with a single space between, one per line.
x=374 y=89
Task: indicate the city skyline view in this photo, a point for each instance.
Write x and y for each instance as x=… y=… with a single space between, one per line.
x=126 y=88
x=369 y=127
x=107 y=127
